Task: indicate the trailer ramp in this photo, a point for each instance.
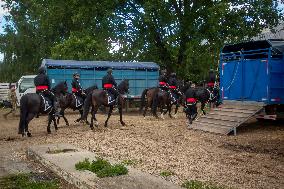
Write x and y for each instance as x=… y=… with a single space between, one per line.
x=227 y=117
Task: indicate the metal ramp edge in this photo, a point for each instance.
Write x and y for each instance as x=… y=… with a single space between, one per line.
x=226 y=118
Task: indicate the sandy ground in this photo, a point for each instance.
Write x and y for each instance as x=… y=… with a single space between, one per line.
x=252 y=159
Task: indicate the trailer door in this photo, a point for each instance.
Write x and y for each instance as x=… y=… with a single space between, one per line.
x=255 y=76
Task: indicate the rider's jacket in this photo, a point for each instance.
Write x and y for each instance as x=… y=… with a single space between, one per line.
x=41 y=82
x=173 y=83
x=76 y=86
x=163 y=80
x=108 y=82
x=190 y=95
x=211 y=79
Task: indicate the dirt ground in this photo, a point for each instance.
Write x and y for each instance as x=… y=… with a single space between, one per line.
x=252 y=159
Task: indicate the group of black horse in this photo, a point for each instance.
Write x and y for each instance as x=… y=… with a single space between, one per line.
x=32 y=104
x=155 y=98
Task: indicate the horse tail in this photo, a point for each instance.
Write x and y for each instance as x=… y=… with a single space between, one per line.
x=87 y=104
x=155 y=103
x=23 y=114
x=143 y=99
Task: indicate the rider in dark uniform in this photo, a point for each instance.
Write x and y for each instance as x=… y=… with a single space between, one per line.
x=42 y=84
x=190 y=104
x=76 y=86
x=109 y=84
x=211 y=79
x=163 y=81
x=173 y=85
x=211 y=84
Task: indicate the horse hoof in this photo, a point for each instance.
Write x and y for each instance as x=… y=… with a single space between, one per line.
x=87 y=123
x=29 y=134
x=92 y=128
x=123 y=124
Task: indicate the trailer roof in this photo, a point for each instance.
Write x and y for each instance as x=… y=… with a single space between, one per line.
x=99 y=64
x=277 y=46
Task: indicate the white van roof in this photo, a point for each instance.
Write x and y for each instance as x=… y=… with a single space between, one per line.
x=28 y=76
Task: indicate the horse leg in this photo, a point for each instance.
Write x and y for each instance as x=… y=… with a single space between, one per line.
x=109 y=114
x=95 y=110
x=120 y=115
x=169 y=108
x=65 y=119
x=80 y=118
x=176 y=110
x=55 y=124
x=28 y=119
x=50 y=118
x=202 y=108
x=162 y=107
x=92 y=118
x=145 y=110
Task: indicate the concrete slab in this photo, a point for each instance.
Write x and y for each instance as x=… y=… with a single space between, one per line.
x=63 y=164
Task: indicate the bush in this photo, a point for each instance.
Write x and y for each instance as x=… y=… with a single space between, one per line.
x=102 y=168
x=195 y=184
x=83 y=165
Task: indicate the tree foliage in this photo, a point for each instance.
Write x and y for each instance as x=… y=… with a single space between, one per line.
x=182 y=35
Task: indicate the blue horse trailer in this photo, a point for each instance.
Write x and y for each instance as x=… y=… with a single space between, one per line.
x=253 y=71
x=141 y=75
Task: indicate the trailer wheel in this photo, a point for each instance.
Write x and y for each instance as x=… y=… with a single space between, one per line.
x=270 y=109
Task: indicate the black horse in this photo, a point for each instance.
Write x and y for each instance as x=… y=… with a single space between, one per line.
x=205 y=95
x=33 y=104
x=147 y=97
x=166 y=99
x=70 y=101
x=101 y=98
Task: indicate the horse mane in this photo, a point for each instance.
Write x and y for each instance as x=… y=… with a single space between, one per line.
x=122 y=85
x=90 y=89
x=58 y=88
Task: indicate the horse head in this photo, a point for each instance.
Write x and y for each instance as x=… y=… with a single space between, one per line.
x=123 y=87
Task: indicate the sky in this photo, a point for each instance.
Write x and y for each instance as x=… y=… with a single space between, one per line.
x=2 y=22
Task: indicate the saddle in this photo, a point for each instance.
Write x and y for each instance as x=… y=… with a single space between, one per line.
x=211 y=95
x=78 y=101
x=110 y=97
x=47 y=102
x=173 y=98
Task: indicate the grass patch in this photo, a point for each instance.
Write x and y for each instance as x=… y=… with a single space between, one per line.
x=166 y=173
x=83 y=165
x=131 y=162
x=195 y=184
x=25 y=181
x=102 y=168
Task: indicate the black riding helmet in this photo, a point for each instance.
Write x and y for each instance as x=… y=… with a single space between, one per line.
x=163 y=72
x=76 y=74
x=41 y=70
x=109 y=71
x=173 y=74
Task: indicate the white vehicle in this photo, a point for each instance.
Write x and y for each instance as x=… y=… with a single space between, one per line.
x=25 y=85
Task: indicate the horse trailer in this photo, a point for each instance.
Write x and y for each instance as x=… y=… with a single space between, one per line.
x=141 y=75
x=254 y=72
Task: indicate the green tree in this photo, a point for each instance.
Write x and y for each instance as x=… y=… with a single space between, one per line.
x=181 y=34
